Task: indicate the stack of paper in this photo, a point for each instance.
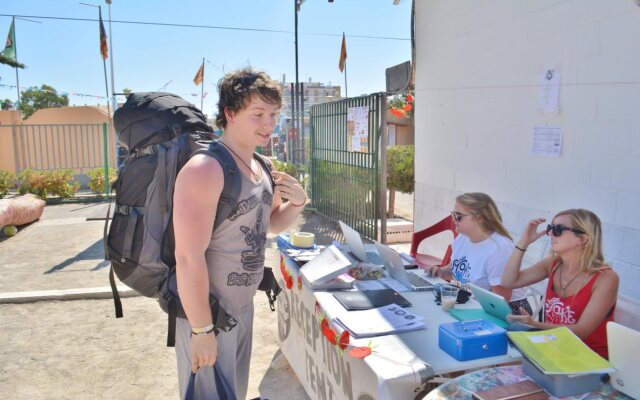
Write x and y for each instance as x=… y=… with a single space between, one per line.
x=329 y=264
x=380 y=321
x=559 y=351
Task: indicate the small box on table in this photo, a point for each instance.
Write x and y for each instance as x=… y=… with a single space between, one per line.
x=470 y=340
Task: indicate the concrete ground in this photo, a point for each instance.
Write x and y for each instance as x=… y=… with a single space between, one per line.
x=59 y=349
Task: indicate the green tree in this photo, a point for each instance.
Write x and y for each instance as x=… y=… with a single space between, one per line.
x=46 y=96
x=126 y=91
x=400 y=173
x=7 y=104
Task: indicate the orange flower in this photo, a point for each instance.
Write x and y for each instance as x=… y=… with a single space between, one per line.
x=331 y=336
x=409 y=98
x=343 y=342
x=407 y=107
x=360 y=352
x=288 y=280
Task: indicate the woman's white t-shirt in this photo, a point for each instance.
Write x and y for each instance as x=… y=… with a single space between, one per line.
x=482 y=263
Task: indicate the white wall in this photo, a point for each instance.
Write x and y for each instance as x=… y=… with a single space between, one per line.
x=478 y=67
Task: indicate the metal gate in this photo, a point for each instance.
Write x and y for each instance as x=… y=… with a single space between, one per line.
x=348 y=143
x=51 y=147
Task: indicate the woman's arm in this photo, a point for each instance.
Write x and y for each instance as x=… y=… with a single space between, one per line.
x=512 y=276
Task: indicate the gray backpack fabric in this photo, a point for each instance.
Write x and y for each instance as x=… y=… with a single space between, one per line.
x=161 y=131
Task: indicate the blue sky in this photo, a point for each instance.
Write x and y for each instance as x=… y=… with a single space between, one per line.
x=65 y=54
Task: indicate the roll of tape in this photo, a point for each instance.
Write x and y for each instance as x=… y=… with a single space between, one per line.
x=302 y=239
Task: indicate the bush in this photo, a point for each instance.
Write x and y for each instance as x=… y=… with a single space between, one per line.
x=96 y=179
x=400 y=168
x=6 y=182
x=290 y=169
x=48 y=183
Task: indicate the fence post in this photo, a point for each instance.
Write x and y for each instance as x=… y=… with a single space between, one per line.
x=106 y=160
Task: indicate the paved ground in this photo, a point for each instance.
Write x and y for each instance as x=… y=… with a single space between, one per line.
x=77 y=349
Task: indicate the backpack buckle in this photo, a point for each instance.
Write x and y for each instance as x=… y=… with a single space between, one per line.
x=122 y=209
x=176 y=129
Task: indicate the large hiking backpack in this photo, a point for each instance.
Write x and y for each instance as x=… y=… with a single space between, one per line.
x=162 y=131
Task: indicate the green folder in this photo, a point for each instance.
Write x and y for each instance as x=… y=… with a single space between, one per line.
x=469 y=314
x=559 y=351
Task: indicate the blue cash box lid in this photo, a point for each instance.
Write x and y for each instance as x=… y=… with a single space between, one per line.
x=469 y=340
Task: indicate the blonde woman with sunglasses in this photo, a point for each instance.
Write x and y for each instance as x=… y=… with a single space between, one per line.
x=481 y=249
x=582 y=289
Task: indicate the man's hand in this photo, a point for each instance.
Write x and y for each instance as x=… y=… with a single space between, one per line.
x=204 y=351
x=289 y=188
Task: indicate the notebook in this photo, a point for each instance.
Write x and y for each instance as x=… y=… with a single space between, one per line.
x=395 y=267
x=329 y=264
x=364 y=300
x=357 y=248
x=624 y=353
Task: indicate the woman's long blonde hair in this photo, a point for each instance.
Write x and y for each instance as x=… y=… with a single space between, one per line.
x=591 y=256
x=482 y=206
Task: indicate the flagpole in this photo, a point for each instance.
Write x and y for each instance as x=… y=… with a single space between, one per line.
x=346 y=89
x=104 y=65
x=202 y=88
x=15 y=48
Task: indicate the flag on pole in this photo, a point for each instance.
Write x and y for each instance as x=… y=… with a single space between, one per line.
x=104 y=49
x=10 y=47
x=199 y=75
x=343 y=54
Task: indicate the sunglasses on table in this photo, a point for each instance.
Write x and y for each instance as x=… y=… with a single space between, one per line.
x=557 y=229
x=457 y=216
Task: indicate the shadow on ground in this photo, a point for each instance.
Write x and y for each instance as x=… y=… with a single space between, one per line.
x=93 y=252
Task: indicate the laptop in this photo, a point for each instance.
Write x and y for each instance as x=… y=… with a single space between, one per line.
x=395 y=267
x=357 y=247
x=365 y=300
x=624 y=353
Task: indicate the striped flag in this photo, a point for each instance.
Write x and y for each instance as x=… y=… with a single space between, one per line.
x=343 y=54
x=199 y=75
x=104 y=49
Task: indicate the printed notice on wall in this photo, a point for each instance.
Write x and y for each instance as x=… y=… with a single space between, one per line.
x=547 y=141
x=358 y=129
x=549 y=91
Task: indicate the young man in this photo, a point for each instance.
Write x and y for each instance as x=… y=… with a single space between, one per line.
x=229 y=262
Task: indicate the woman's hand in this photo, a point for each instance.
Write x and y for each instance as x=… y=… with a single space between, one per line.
x=431 y=270
x=523 y=317
x=531 y=233
x=289 y=188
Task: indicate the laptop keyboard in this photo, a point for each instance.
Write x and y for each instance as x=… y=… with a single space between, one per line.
x=374 y=258
x=418 y=281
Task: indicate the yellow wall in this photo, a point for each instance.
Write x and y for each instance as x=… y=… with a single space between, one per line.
x=7 y=157
x=83 y=154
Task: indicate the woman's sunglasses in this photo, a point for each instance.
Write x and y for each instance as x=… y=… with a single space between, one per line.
x=457 y=216
x=557 y=229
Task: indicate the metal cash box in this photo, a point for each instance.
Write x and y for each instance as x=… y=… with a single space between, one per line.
x=469 y=340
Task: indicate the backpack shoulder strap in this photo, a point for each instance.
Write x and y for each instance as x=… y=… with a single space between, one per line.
x=232 y=181
x=266 y=166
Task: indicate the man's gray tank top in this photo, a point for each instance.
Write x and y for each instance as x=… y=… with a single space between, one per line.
x=235 y=256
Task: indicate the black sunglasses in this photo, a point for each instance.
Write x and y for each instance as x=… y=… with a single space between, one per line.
x=557 y=229
x=457 y=216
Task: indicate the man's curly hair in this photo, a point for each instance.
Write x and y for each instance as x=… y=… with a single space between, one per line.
x=236 y=88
